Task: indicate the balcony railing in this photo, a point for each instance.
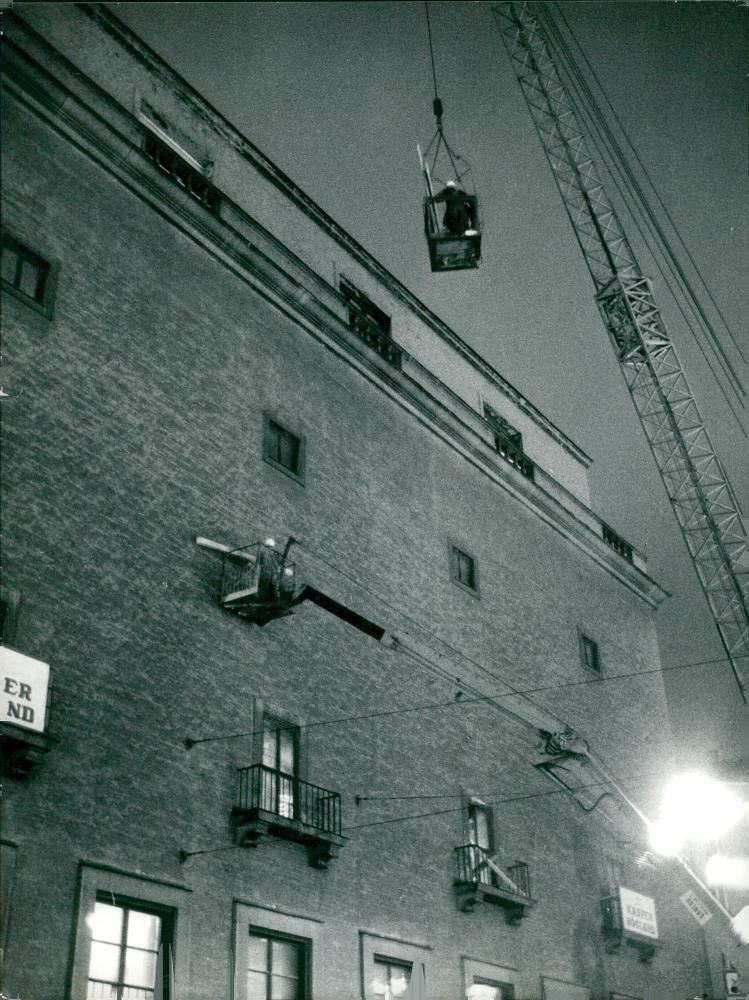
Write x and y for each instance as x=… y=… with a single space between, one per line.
x=479 y=878
x=282 y=795
x=368 y=331
x=514 y=455
x=186 y=176
x=616 y=542
x=273 y=802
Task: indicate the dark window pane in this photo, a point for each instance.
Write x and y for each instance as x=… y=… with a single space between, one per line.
x=464 y=568
x=31 y=279
x=9 y=265
x=590 y=654
x=283 y=447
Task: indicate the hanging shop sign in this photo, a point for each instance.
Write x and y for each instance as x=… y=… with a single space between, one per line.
x=638 y=914
x=696 y=907
x=23 y=688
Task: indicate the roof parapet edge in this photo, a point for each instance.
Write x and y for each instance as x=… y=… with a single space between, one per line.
x=139 y=48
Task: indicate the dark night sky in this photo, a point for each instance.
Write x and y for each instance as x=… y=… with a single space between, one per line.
x=338 y=94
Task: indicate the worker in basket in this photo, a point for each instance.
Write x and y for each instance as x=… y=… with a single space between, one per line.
x=460 y=210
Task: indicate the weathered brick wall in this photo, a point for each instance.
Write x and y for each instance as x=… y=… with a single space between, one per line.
x=136 y=426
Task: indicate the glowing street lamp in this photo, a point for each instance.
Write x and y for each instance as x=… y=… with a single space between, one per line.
x=694 y=807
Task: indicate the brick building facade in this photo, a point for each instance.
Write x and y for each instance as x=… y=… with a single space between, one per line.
x=199 y=359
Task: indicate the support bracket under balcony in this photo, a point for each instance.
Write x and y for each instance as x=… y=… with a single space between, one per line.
x=480 y=879
x=251 y=825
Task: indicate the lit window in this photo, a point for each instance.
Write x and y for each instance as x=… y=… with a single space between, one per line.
x=590 y=655
x=131 y=950
x=25 y=274
x=280 y=764
x=463 y=569
x=277 y=967
x=489 y=989
x=391 y=977
x=283 y=449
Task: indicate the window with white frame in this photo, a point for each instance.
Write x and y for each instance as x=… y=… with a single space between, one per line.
x=274 y=954
x=490 y=989
x=277 y=966
x=485 y=981
x=391 y=977
x=126 y=943
x=131 y=950
x=389 y=965
x=280 y=763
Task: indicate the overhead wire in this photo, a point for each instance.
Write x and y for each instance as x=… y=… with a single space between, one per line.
x=610 y=148
x=453 y=703
x=480 y=697
x=631 y=193
x=505 y=800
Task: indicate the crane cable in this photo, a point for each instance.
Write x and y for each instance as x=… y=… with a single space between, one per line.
x=609 y=147
x=652 y=185
x=619 y=162
x=438 y=109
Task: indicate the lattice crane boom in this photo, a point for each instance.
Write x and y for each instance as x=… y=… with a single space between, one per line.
x=699 y=491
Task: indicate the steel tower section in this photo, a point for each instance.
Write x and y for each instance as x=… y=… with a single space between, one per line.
x=698 y=489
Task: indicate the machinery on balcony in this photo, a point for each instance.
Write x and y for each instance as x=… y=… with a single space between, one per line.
x=480 y=879
x=272 y=802
x=258 y=581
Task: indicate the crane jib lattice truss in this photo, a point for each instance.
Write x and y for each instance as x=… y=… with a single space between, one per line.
x=697 y=487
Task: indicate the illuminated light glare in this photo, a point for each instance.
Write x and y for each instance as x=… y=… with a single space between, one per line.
x=701 y=807
x=288 y=571
x=270 y=542
x=740 y=924
x=730 y=872
x=665 y=838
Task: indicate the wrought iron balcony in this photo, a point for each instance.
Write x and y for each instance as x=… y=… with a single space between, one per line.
x=273 y=802
x=479 y=878
x=515 y=456
x=616 y=542
x=373 y=335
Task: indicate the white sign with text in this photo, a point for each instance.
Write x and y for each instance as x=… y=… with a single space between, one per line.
x=23 y=687
x=638 y=914
x=696 y=907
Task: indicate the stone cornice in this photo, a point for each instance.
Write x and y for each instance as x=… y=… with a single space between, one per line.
x=221 y=126
x=290 y=289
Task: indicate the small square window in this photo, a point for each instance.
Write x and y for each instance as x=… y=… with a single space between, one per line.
x=464 y=569
x=589 y=652
x=283 y=448
x=27 y=275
